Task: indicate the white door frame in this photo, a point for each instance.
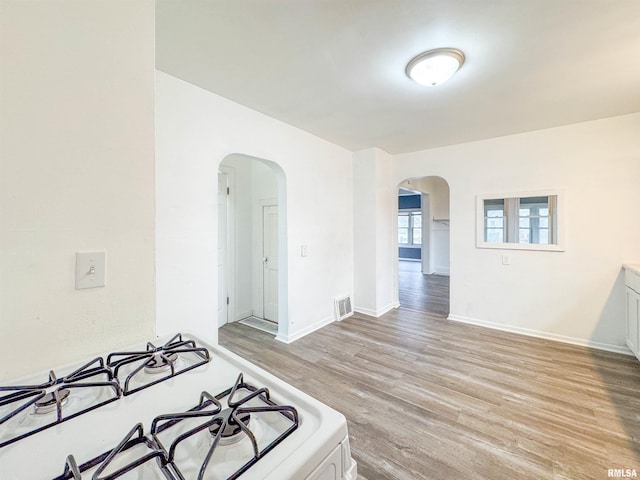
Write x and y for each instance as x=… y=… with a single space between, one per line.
x=223 y=295
x=283 y=261
x=230 y=264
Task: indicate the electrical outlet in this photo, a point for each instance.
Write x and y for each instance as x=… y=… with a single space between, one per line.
x=506 y=259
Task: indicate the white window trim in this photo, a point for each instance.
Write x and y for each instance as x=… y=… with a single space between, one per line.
x=559 y=221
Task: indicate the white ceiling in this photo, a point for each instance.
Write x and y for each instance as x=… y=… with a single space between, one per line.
x=335 y=68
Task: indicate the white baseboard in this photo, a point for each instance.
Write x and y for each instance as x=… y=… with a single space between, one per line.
x=630 y=347
x=608 y=347
x=442 y=271
x=379 y=312
x=243 y=315
x=345 y=317
x=292 y=337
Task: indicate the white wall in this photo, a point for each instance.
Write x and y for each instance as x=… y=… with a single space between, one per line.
x=195 y=130
x=375 y=232
x=76 y=173
x=575 y=295
x=364 y=234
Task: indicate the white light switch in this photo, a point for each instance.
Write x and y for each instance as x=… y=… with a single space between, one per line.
x=90 y=269
x=506 y=259
x=303 y=250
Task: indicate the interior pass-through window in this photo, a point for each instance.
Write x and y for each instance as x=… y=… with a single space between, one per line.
x=527 y=222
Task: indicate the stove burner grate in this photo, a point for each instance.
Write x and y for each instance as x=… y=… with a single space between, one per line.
x=134 y=438
x=209 y=417
x=226 y=426
x=54 y=394
x=154 y=361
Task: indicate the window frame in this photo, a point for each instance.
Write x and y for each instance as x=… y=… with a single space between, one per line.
x=409 y=212
x=557 y=218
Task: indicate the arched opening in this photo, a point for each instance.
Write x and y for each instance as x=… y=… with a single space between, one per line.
x=252 y=253
x=423 y=245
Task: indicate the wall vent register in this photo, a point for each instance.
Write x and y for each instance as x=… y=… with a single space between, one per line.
x=343 y=307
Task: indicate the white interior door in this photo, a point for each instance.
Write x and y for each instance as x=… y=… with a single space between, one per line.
x=222 y=249
x=270 y=262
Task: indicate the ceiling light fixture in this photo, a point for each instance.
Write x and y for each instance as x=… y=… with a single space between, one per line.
x=435 y=66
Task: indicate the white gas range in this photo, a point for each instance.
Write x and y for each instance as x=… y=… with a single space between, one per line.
x=184 y=410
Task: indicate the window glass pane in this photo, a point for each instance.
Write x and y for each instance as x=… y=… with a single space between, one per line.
x=494 y=220
x=417 y=236
x=534 y=200
x=403 y=220
x=530 y=220
x=533 y=217
x=403 y=235
x=543 y=236
x=416 y=218
x=494 y=207
x=494 y=235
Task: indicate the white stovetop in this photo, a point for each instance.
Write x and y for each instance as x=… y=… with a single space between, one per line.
x=42 y=455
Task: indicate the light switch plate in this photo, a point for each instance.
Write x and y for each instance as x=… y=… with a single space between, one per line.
x=90 y=269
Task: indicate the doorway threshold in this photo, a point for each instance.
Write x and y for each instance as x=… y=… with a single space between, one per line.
x=260 y=324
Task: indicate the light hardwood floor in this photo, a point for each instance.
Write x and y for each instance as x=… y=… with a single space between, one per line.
x=425 y=293
x=428 y=398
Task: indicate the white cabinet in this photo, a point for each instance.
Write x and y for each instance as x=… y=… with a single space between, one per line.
x=633 y=320
x=632 y=292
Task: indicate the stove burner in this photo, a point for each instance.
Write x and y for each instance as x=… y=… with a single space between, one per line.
x=141 y=369
x=94 y=379
x=160 y=363
x=222 y=427
x=232 y=432
x=48 y=404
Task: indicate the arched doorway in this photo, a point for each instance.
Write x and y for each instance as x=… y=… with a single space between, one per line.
x=423 y=245
x=252 y=261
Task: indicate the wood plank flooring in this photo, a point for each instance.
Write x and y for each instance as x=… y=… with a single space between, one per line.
x=427 y=398
x=425 y=293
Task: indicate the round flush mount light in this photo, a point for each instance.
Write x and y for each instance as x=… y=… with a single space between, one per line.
x=435 y=66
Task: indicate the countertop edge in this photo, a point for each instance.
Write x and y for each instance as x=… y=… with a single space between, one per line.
x=633 y=267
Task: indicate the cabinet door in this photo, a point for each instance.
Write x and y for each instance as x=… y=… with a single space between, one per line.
x=633 y=320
